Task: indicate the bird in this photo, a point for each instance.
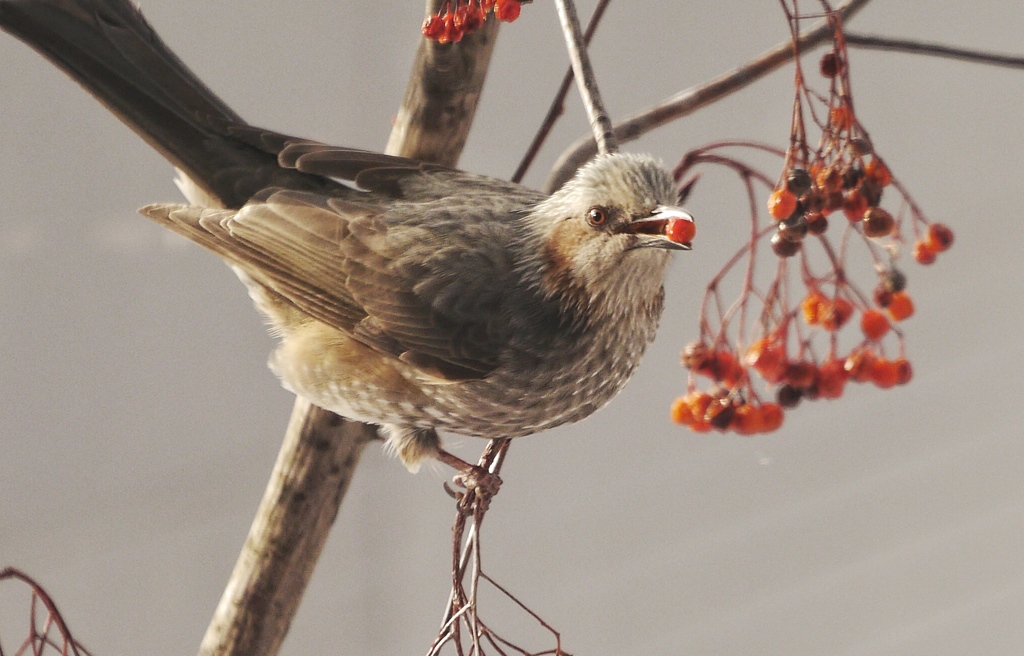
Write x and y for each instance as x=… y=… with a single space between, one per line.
x=412 y=296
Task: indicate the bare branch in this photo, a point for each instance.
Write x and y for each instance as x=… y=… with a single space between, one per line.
x=934 y=50
x=690 y=100
x=600 y=124
x=558 y=103
x=321 y=449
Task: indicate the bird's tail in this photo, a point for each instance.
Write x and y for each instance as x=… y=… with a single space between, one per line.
x=111 y=50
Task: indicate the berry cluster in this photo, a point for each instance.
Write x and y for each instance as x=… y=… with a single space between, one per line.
x=785 y=338
x=457 y=18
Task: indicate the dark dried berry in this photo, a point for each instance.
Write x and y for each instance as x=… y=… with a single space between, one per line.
x=894 y=280
x=831 y=65
x=794 y=228
x=817 y=224
x=798 y=181
x=852 y=175
x=784 y=247
x=695 y=354
x=862 y=146
x=877 y=222
x=789 y=396
x=872 y=191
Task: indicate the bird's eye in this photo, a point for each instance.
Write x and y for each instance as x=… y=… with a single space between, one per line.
x=597 y=216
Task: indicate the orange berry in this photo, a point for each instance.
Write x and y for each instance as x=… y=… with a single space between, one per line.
x=768 y=358
x=841 y=117
x=884 y=373
x=859 y=363
x=900 y=306
x=681 y=412
x=811 y=306
x=854 y=205
x=878 y=173
x=781 y=203
x=829 y=179
x=923 y=252
x=771 y=417
x=940 y=237
x=874 y=324
x=834 y=314
x=699 y=402
x=747 y=420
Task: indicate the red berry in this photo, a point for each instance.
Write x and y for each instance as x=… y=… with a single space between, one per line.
x=878 y=173
x=768 y=358
x=781 y=204
x=834 y=314
x=904 y=372
x=433 y=27
x=507 y=10
x=900 y=306
x=924 y=253
x=874 y=324
x=940 y=237
x=884 y=373
x=854 y=205
x=681 y=231
x=771 y=417
x=831 y=379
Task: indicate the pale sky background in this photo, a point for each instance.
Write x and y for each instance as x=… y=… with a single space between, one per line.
x=138 y=422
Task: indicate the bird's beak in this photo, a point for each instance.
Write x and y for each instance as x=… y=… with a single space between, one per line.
x=670 y=228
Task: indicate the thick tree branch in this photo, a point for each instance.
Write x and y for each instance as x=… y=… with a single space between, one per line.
x=321 y=449
x=933 y=49
x=690 y=100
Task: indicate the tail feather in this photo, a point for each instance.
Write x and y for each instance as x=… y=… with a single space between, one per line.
x=109 y=48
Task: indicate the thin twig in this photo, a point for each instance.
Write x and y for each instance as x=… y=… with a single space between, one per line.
x=600 y=124
x=934 y=50
x=690 y=100
x=557 y=107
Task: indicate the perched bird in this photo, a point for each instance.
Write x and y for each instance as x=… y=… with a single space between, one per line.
x=407 y=295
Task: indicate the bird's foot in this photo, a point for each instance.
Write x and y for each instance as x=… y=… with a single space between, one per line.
x=479 y=484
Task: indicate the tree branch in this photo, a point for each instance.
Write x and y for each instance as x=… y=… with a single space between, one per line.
x=558 y=103
x=933 y=49
x=600 y=124
x=690 y=100
x=321 y=449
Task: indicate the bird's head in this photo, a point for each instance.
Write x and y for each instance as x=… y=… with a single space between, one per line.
x=608 y=231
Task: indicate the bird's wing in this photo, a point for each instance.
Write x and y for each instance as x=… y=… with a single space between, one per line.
x=401 y=267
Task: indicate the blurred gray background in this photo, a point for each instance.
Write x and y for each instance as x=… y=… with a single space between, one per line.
x=138 y=422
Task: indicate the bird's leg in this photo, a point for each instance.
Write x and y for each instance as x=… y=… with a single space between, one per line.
x=474 y=478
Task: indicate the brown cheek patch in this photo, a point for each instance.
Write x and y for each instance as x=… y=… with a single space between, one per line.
x=558 y=280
